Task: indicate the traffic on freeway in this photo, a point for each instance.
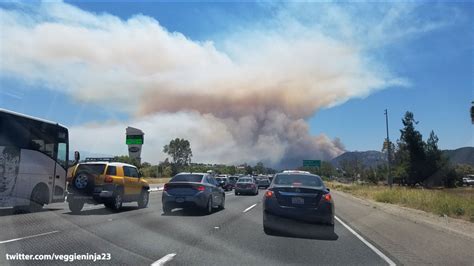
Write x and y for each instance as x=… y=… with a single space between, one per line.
x=236 y=133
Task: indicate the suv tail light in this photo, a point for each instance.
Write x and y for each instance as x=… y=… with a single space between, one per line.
x=201 y=188
x=165 y=187
x=327 y=197
x=268 y=194
x=108 y=179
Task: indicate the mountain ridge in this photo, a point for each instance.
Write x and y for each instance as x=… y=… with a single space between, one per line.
x=371 y=158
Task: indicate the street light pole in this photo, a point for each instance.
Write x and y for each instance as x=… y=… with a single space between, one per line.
x=389 y=177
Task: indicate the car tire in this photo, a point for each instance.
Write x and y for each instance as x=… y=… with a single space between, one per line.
x=236 y=193
x=144 y=199
x=208 y=209
x=222 y=206
x=75 y=206
x=116 y=201
x=37 y=199
x=268 y=231
x=83 y=182
x=166 y=209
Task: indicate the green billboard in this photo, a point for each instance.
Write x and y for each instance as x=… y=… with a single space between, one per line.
x=312 y=163
x=134 y=139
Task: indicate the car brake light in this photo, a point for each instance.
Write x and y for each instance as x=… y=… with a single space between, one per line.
x=165 y=187
x=108 y=179
x=269 y=194
x=327 y=197
x=201 y=188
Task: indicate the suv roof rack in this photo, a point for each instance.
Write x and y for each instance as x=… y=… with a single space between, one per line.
x=100 y=159
x=296 y=172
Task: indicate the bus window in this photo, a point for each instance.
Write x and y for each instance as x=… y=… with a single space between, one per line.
x=43 y=139
x=62 y=154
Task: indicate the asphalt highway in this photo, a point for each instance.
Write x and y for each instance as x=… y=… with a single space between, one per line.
x=233 y=236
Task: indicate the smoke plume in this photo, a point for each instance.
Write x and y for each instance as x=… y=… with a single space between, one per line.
x=246 y=101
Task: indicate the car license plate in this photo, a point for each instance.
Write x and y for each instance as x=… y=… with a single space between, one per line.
x=297 y=200
x=179 y=200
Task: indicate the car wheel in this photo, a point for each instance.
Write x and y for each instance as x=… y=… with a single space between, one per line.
x=83 y=181
x=117 y=201
x=236 y=193
x=143 y=200
x=222 y=206
x=37 y=199
x=166 y=209
x=268 y=231
x=75 y=206
x=209 y=206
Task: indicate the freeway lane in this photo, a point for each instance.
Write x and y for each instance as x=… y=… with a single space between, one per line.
x=142 y=236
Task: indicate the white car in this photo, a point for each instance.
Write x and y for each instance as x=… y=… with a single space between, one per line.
x=468 y=180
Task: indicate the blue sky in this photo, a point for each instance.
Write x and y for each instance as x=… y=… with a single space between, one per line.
x=428 y=46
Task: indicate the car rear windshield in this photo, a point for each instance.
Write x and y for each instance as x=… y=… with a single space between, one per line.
x=244 y=180
x=298 y=180
x=187 y=178
x=96 y=169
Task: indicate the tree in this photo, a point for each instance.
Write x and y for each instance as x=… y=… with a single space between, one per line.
x=411 y=151
x=352 y=168
x=434 y=160
x=248 y=169
x=259 y=168
x=464 y=169
x=180 y=151
x=472 y=112
x=327 y=169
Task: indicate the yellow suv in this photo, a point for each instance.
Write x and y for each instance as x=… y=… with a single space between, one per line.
x=103 y=181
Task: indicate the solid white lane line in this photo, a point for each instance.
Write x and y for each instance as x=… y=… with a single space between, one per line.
x=164 y=260
x=249 y=208
x=26 y=237
x=367 y=243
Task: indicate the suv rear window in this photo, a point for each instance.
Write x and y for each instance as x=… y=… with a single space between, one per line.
x=96 y=169
x=111 y=170
x=300 y=180
x=244 y=180
x=187 y=178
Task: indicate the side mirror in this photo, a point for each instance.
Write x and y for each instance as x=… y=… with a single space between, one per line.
x=77 y=157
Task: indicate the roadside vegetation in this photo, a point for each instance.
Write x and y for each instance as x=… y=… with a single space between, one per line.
x=456 y=203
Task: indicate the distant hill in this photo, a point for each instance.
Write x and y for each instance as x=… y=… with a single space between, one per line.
x=463 y=155
x=366 y=158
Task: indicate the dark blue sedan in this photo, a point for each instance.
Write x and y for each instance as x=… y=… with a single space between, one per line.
x=297 y=199
x=191 y=191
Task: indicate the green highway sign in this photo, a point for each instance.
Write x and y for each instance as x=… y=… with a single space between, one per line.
x=312 y=163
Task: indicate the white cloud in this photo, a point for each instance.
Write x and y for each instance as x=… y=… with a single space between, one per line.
x=244 y=102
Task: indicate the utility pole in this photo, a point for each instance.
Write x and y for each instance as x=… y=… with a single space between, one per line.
x=389 y=177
